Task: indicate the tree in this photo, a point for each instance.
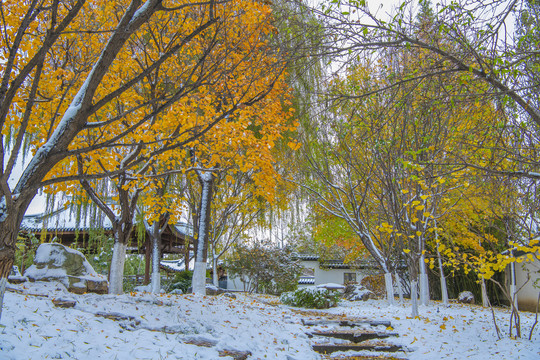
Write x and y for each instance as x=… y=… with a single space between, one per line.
x=234 y=80
x=472 y=38
x=71 y=63
x=388 y=163
x=236 y=211
x=264 y=267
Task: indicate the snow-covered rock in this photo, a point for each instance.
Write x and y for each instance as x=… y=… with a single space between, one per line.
x=211 y=289
x=55 y=262
x=146 y=288
x=331 y=286
x=15 y=276
x=214 y=290
x=355 y=292
x=466 y=297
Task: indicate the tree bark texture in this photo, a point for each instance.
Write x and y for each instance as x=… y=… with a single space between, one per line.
x=199 y=273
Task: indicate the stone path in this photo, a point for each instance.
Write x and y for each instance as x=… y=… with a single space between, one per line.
x=334 y=333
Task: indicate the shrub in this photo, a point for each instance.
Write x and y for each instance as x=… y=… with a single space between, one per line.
x=264 y=267
x=311 y=297
x=182 y=281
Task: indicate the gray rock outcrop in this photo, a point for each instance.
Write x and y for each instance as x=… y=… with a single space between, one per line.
x=55 y=262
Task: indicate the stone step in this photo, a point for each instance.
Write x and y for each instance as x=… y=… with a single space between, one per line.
x=353 y=336
x=330 y=348
x=346 y=323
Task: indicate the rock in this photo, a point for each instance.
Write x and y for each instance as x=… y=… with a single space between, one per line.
x=176 y=292
x=355 y=292
x=97 y=286
x=15 y=276
x=55 y=262
x=466 y=297
x=77 y=285
x=235 y=354
x=331 y=286
x=214 y=290
x=229 y=295
x=64 y=302
x=143 y=288
x=201 y=341
x=211 y=289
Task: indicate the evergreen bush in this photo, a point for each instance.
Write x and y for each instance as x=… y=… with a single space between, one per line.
x=311 y=298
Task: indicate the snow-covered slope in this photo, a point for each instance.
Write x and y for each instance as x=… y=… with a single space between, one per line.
x=146 y=326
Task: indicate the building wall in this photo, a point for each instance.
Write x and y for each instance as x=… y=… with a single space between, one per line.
x=324 y=276
x=235 y=284
x=528 y=295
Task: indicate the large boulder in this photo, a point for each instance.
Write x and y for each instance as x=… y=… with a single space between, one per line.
x=55 y=262
x=356 y=292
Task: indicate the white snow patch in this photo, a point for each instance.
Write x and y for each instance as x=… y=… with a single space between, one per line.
x=45 y=273
x=331 y=286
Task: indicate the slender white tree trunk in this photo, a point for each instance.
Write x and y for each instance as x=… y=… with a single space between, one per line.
x=198 y=281
x=414 y=298
x=444 y=287
x=155 y=283
x=116 y=283
x=215 y=278
x=485 y=299
x=400 y=288
x=389 y=288
x=424 y=282
x=513 y=283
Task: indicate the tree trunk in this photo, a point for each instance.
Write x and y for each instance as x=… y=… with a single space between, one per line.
x=389 y=288
x=116 y=283
x=215 y=277
x=413 y=273
x=147 y=260
x=400 y=287
x=444 y=287
x=424 y=282
x=414 y=298
x=513 y=292
x=198 y=281
x=156 y=257
x=10 y=222
x=485 y=300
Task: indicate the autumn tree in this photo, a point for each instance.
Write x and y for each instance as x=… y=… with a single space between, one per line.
x=473 y=38
x=389 y=163
x=71 y=63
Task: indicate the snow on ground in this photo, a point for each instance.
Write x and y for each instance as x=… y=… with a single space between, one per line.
x=459 y=331
x=162 y=326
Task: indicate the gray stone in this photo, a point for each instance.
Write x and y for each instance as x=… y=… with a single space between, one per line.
x=64 y=302
x=15 y=276
x=355 y=292
x=466 y=297
x=214 y=290
x=55 y=262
